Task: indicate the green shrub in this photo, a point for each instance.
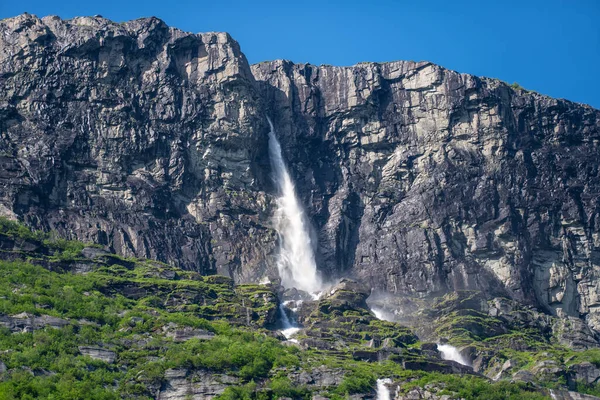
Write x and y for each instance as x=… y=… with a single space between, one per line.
x=16 y=229
x=360 y=380
x=283 y=387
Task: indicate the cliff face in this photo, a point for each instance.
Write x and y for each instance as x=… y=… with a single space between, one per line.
x=418 y=180
x=134 y=135
x=424 y=180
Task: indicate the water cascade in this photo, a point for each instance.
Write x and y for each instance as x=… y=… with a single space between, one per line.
x=383 y=392
x=296 y=263
x=382 y=314
x=289 y=328
x=451 y=353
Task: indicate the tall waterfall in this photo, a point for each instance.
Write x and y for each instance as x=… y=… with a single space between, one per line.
x=296 y=263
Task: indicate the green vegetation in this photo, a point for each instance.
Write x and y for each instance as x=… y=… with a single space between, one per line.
x=471 y=387
x=123 y=325
x=153 y=319
x=128 y=307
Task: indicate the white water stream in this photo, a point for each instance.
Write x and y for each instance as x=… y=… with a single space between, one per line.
x=289 y=328
x=451 y=353
x=296 y=263
x=383 y=392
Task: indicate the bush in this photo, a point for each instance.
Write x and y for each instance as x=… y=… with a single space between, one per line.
x=283 y=387
x=359 y=380
x=16 y=229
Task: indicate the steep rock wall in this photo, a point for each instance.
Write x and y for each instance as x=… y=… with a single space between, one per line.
x=424 y=180
x=137 y=136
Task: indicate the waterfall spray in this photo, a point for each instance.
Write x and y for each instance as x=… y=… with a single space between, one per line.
x=451 y=353
x=383 y=392
x=296 y=263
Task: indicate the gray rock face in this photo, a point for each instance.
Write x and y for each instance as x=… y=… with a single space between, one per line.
x=418 y=180
x=320 y=377
x=585 y=372
x=181 y=385
x=185 y=333
x=98 y=353
x=423 y=180
x=25 y=322
x=137 y=136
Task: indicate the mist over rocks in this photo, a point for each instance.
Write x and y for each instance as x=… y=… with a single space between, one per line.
x=417 y=180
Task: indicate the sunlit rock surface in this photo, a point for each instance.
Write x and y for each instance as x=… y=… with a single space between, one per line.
x=417 y=180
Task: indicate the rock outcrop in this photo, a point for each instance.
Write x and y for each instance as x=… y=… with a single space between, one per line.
x=98 y=353
x=418 y=180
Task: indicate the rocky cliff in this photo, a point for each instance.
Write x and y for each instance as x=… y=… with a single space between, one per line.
x=423 y=180
x=134 y=135
x=418 y=180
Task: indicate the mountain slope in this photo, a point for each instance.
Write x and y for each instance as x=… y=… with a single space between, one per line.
x=423 y=180
x=79 y=322
x=420 y=182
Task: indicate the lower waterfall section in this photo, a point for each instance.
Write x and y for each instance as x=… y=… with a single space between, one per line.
x=289 y=328
x=451 y=353
x=383 y=392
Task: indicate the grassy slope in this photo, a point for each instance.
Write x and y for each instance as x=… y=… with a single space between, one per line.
x=46 y=363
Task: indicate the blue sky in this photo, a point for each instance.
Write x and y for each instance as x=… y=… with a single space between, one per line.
x=551 y=46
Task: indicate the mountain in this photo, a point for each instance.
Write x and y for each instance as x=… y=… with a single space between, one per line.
x=468 y=209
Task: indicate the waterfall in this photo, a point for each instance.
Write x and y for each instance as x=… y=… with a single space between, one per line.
x=383 y=392
x=378 y=313
x=382 y=314
x=451 y=353
x=289 y=328
x=296 y=263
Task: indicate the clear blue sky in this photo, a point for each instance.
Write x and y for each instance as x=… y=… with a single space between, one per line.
x=551 y=46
